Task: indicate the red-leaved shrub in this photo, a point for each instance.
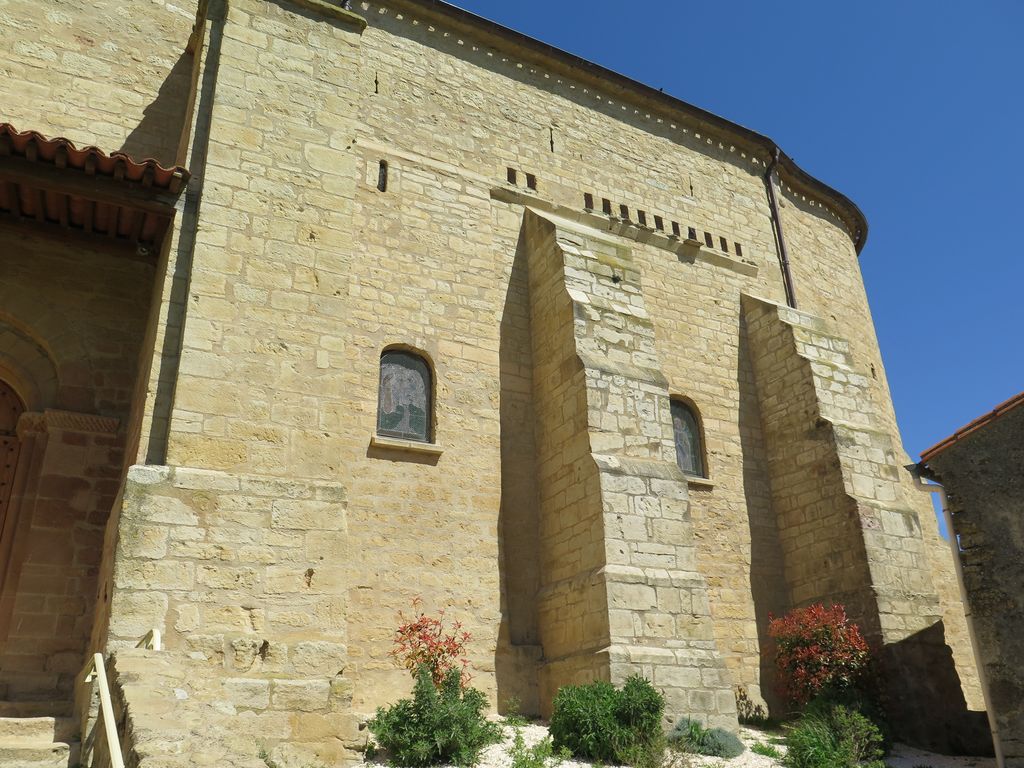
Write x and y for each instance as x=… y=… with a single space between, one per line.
x=423 y=640
x=817 y=649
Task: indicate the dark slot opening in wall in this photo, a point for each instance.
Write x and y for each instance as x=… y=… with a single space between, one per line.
x=641 y=216
x=588 y=201
x=709 y=241
x=724 y=243
x=531 y=182
x=691 y=233
x=675 y=229
x=659 y=223
x=382 y=176
x=606 y=206
x=624 y=212
x=511 y=176
x=739 y=249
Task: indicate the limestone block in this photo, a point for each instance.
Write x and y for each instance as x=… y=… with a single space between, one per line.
x=319 y=658
x=247 y=693
x=301 y=695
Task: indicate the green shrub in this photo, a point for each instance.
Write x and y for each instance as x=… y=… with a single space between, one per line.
x=540 y=755
x=438 y=725
x=834 y=736
x=768 y=750
x=687 y=735
x=648 y=753
x=583 y=720
x=690 y=736
x=639 y=707
x=863 y=702
x=597 y=722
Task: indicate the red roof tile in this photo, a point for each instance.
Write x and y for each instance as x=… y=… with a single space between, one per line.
x=63 y=153
x=52 y=181
x=979 y=422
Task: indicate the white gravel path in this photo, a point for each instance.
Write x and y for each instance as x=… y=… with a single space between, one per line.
x=901 y=756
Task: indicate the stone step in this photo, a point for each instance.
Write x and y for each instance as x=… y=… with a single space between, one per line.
x=32 y=754
x=35 y=708
x=36 y=685
x=39 y=729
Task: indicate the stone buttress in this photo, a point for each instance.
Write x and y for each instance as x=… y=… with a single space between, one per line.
x=848 y=526
x=620 y=593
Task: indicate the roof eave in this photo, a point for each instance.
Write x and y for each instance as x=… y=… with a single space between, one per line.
x=789 y=171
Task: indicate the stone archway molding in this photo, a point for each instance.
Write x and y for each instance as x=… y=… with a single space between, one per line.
x=34 y=430
x=28 y=367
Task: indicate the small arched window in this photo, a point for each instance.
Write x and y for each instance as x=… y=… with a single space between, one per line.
x=689 y=447
x=404 y=401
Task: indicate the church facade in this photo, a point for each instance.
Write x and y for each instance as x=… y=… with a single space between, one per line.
x=307 y=312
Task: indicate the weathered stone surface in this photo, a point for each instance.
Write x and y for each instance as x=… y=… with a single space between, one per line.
x=276 y=547
x=842 y=500
x=981 y=471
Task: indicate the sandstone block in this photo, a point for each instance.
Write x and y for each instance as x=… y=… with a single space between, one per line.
x=301 y=695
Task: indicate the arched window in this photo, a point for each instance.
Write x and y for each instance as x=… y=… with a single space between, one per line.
x=689 y=448
x=404 y=402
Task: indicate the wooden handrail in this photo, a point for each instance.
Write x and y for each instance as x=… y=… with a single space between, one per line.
x=150 y=640
x=95 y=669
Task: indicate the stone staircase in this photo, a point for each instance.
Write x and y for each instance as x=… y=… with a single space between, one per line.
x=37 y=734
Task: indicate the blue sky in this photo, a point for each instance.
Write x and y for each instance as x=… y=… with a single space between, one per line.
x=912 y=109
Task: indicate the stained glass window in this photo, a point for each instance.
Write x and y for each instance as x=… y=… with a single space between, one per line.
x=689 y=451
x=403 y=404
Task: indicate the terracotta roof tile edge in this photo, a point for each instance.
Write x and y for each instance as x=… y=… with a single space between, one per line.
x=1001 y=409
x=13 y=141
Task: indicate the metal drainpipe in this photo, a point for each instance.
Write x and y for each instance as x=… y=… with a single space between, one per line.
x=773 y=203
x=915 y=471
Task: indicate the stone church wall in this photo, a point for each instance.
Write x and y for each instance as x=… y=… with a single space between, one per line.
x=293 y=270
x=104 y=73
x=290 y=311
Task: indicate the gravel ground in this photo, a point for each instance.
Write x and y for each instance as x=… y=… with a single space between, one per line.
x=902 y=756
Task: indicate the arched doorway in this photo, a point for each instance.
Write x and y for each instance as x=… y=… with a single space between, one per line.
x=11 y=408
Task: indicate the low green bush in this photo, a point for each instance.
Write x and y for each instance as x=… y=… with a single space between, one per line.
x=438 y=725
x=830 y=735
x=768 y=750
x=599 y=723
x=690 y=736
x=540 y=755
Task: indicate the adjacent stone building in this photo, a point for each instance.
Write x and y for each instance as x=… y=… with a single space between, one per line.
x=982 y=469
x=308 y=311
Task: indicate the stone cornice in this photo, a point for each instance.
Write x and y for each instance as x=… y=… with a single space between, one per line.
x=608 y=82
x=67 y=421
x=331 y=11
x=598 y=224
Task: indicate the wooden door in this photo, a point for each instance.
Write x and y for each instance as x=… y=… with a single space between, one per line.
x=11 y=409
